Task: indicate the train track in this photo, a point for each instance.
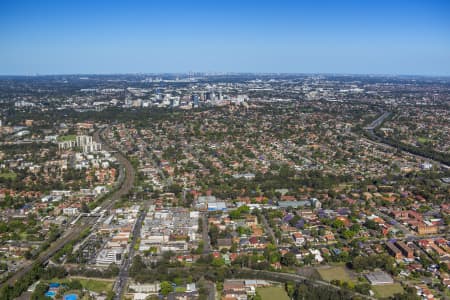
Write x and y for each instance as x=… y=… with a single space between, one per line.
x=73 y=233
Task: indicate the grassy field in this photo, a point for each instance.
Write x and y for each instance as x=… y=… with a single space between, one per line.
x=423 y=140
x=270 y=293
x=94 y=285
x=388 y=290
x=65 y=138
x=8 y=175
x=334 y=273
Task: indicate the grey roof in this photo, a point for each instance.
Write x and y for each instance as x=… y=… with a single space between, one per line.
x=294 y=204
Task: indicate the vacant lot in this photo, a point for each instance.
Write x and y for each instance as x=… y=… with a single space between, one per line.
x=388 y=290
x=334 y=273
x=270 y=293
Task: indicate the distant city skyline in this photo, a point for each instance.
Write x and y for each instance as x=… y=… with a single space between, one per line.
x=104 y=37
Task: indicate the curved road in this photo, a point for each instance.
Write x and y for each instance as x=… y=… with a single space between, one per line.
x=74 y=232
x=278 y=276
x=377 y=139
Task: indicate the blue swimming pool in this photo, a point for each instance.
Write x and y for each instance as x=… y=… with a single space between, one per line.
x=50 y=294
x=71 y=297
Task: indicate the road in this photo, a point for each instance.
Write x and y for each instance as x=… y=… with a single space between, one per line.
x=121 y=281
x=408 y=232
x=211 y=286
x=123 y=190
x=376 y=139
x=205 y=235
x=276 y=276
x=145 y=148
x=70 y=235
x=378 y=121
x=269 y=229
x=86 y=223
x=25 y=142
x=124 y=163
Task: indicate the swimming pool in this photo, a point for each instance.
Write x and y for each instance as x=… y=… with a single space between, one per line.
x=50 y=294
x=71 y=297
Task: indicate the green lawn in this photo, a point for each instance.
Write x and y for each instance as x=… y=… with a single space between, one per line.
x=8 y=175
x=388 y=290
x=65 y=138
x=334 y=273
x=270 y=293
x=423 y=140
x=94 y=285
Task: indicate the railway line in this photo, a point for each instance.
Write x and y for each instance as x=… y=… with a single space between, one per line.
x=87 y=221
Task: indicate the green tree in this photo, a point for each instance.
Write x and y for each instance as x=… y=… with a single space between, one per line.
x=288 y=259
x=290 y=289
x=166 y=288
x=213 y=234
x=217 y=262
x=85 y=208
x=137 y=267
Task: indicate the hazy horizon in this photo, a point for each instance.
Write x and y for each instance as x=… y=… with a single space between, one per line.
x=202 y=73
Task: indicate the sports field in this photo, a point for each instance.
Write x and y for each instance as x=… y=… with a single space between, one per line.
x=270 y=293
x=334 y=273
x=387 y=290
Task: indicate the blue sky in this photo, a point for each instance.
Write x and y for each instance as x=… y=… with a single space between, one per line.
x=376 y=37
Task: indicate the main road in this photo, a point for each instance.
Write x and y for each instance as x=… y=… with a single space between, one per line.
x=205 y=235
x=74 y=232
x=377 y=139
x=121 y=281
x=378 y=121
